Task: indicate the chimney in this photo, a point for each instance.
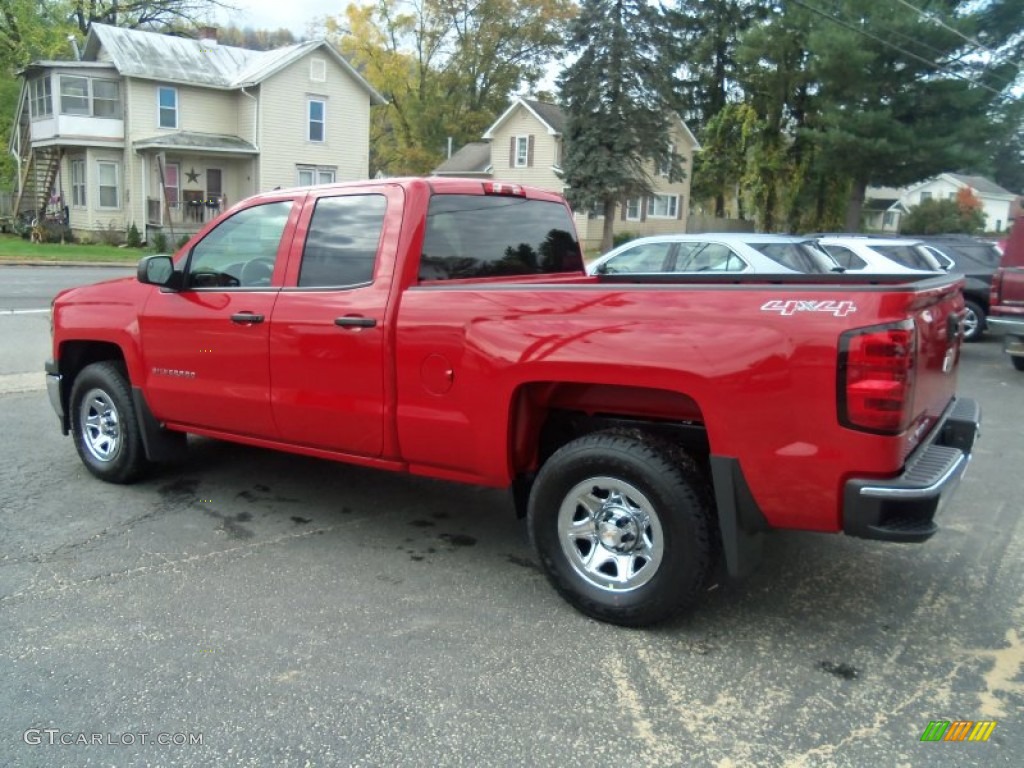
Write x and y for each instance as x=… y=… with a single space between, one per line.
x=208 y=35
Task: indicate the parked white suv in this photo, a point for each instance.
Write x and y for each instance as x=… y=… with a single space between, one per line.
x=880 y=254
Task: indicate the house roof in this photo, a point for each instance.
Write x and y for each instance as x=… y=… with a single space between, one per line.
x=153 y=56
x=980 y=184
x=208 y=142
x=553 y=118
x=474 y=157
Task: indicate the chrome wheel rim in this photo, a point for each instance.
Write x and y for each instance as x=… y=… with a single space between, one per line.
x=610 y=533
x=101 y=425
x=970 y=322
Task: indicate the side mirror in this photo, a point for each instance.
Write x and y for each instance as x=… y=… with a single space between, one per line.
x=602 y=269
x=158 y=270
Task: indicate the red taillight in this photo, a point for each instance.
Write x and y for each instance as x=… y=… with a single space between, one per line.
x=502 y=188
x=994 y=294
x=876 y=377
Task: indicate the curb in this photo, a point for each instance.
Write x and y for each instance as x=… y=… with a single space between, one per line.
x=42 y=263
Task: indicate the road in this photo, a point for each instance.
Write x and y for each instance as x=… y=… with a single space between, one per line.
x=290 y=611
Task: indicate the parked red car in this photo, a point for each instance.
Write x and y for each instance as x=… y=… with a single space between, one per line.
x=1006 y=303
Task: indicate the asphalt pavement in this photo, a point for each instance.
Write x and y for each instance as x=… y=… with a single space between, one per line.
x=252 y=608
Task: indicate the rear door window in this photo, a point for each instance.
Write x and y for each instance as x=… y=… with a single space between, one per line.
x=341 y=247
x=491 y=236
x=844 y=257
x=800 y=257
x=709 y=257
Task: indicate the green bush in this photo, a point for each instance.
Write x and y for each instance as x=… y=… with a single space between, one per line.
x=159 y=242
x=134 y=239
x=182 y=240
x=942 y=217
x=623 y=237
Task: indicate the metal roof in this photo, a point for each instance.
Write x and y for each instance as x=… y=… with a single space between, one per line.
x=207 y=142
x=152 y=56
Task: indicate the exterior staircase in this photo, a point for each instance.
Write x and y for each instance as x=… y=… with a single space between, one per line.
x=39 y=167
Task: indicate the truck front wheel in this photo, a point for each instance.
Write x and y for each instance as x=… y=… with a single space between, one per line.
x=104 y=425
x=622 y=526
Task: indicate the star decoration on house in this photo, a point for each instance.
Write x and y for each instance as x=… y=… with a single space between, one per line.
x=193 y=176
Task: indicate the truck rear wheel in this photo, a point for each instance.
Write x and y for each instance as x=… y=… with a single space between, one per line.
x=974 y=321
x=622 y=527
x=104 y=425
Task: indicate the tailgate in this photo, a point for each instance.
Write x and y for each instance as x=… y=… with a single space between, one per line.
x=937 y=314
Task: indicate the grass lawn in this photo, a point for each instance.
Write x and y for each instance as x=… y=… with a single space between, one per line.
x=14 y=248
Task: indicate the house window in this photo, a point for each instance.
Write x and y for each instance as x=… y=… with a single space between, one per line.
x=317 y=114
x=926 y=196
x=888 y=219
x=634 y=208
x=663 y=206
x=167 y=100
x=172 y=184
x=106 y=98
x=522 y=151
x=78 y=183
x=665 y=168
x=40 y=99
x=108 y=173
x=74 y=95
x=317 y=70
x=309 y=175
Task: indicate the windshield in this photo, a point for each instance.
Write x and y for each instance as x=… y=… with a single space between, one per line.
x=909 y=256
x=801 y=257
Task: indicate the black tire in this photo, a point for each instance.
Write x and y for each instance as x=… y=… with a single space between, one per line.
x=974 y=321
x=1018 y=362
x=650 y=509
x=104 y=425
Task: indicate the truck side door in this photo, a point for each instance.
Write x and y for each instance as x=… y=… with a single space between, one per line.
x=206 y=345
x=327 y=333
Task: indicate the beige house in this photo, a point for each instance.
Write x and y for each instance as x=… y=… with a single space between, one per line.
x=525 y=146
x=165 y=132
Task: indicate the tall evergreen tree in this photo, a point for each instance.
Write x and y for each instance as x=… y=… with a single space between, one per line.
x=617 y=96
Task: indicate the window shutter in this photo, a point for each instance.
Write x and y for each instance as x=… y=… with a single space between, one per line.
x=529 y=152
x=512 y=152
x=625 y=206
x=679 y=207
x=644 y=203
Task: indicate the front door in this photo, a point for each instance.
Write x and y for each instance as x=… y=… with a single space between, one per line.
x=328 y=329
x=206 y=346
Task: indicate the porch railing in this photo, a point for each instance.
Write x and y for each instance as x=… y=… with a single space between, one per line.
x=192 y=213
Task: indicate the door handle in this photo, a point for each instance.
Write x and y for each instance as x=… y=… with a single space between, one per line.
x=246 y=318
x=355 y=321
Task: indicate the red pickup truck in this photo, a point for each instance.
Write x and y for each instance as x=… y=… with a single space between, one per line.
x=648 y=427
x=1006 y=300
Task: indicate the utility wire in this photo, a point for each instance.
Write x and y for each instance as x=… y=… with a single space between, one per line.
x=925 y=16
x=904 y=51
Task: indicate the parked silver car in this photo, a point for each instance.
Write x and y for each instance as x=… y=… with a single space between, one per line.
x=736 y=253
x=881 y=255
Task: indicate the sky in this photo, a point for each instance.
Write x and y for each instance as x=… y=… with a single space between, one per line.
x=274 y=14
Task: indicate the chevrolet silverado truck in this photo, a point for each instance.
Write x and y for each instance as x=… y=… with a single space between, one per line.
x=1006 y=302
x=648 y=427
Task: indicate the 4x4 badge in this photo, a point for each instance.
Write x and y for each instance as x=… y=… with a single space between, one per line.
x=792 y=306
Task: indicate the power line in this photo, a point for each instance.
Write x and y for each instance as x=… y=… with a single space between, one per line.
x=889 y=44
x=936 y=20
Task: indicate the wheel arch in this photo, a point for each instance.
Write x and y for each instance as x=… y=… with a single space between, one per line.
x=74 y=355
x=545 y=415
